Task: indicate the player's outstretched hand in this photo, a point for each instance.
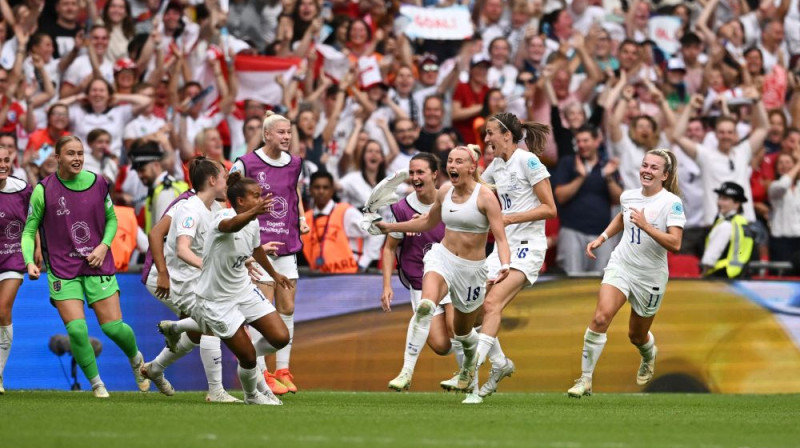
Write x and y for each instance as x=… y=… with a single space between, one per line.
x=262 y=206
x=272 y=247
x=592 y=246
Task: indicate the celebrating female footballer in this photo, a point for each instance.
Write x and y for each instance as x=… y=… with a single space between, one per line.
x=652 y=222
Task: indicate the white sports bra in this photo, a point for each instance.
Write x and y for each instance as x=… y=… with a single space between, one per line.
x=464 y=217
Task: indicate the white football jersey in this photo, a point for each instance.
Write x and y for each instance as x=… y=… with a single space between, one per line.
x=224 y=275
x=514 y=181
x=192 y=219
x=636 y=250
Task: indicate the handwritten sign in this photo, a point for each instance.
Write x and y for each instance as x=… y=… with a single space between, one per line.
x=663 y=30
x=452 y=23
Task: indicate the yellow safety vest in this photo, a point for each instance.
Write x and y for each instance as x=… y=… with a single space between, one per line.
x=177 y=187
x=740 y=247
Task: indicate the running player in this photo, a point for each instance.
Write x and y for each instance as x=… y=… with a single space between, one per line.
x=523 y=186
x=15 y=196
x=226 y=297
x=278 y=173
x=457 y=265
x=408 y=250
x=79 y=265
x=183 y=254
x=652 y=222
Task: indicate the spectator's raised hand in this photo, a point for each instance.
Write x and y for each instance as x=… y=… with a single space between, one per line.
x=697 y=101
x=610 y=167
x=580 y=168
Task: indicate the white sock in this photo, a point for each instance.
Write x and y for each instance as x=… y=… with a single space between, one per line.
x=282 y=356
x=249 y=380
x=166 y=357
x=96 y=381
x=211 y=355
x=469 y=342
x=6 y=336
x=263 y=347
x=647 y=348
x=496 y=355
x=458 y=350
x=136 y=360
x=261 y=363
x=485 y=343
x=593 y=344
x=261 y=383
x=418 y=328
x=187 y=324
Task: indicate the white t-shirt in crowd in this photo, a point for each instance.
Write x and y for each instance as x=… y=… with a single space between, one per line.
x=81 y=68
x=113 y=120
x=690 y=181
x=718 y=168
x=224 y=275
x=514 y=181
x=785 y=199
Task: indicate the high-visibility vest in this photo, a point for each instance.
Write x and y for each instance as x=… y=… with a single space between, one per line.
x=740 y=247
x=327 y=247
x=176 y=186
x=124 y=242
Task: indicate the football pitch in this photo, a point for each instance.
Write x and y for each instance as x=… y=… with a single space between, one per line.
x=363 y=419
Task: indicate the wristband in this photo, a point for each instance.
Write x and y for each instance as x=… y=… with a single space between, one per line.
x=505 y=267
x=604 y=236
x=302 y=219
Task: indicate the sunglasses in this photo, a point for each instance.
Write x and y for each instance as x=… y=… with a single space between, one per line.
x=430 y=67
x=526 y=81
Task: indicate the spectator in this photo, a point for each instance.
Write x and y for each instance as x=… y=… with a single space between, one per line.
x=336 y=240
x=502 y=75
x=731 y=231
x=729 y=161
x=690 y=181
x=117 y=17
x=468 y=98
x=99 y=159
x=92 y=65
x=433 y=124
x=406 y=134
x=356 y=187
x=146 y=158
x=99 y=107
x=784 y=194
x=585 y=189
x=43 y=141
x=63 y=30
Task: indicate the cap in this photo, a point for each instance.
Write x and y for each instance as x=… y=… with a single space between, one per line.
x=143 y=153
x=732 y=190
x=429 y=63
x=124 y=64
x=478 y=59
x=676 y=64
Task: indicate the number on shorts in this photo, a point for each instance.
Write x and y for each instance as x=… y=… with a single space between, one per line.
x=522 y=252
x=505 y=201
x=472 y=293
x=105 y=278
x=636 y=235
x=653 y=302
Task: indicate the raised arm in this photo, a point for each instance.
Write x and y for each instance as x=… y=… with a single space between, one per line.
x=679 y=133
x=615 y=120
x=423 y=223
x=759 y=121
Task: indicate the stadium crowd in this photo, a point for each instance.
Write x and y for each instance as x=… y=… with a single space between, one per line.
x=147 y=85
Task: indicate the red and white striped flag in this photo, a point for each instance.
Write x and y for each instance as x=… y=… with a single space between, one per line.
x=256 y=75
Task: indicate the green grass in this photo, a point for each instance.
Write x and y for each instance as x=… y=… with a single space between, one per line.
x=323 y=419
